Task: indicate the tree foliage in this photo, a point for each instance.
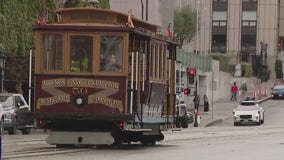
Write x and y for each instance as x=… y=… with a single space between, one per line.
x=16 y=34
x=17 y=37
x=184 y=24
x=16 y=21
x=81 y=3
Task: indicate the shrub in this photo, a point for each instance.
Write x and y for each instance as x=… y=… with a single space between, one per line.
x=246 y=69
x=224 y=61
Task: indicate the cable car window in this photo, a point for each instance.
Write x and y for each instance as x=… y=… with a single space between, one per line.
x=52 y=52
x=81 y=51
x=111 y=53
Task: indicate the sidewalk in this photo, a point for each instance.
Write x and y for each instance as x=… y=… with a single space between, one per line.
x=218 y=112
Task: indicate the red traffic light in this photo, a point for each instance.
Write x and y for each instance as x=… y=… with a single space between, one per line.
x=186 y=91
x=191 y=71
x=279 y=44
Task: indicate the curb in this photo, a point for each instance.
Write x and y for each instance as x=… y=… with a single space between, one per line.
x=215 y=122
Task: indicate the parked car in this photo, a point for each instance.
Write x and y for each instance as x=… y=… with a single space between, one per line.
x=248 y=111
x=14 y=103
x=278 y=92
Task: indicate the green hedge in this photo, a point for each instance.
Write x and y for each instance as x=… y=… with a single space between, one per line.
x=224 y=61
x=247 y=70
x=225 y=65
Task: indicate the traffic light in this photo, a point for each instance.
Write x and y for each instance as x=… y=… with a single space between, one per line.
x=279 y=46
x=186 y=91
x=191 y=75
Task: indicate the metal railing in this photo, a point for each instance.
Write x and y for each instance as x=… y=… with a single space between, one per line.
x=197 y=61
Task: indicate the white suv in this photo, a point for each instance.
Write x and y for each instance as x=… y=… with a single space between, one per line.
x=14 y=103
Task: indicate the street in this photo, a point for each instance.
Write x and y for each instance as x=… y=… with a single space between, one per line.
x=223 y=141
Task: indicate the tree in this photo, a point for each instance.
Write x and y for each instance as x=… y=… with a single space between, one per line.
x=84 y=3
x=184 y=24
x=17 y=37
x=16 y=21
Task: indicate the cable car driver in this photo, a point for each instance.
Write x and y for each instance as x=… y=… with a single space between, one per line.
x=79 y=61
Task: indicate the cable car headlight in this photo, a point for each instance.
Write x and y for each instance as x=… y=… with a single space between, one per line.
x=79 y=100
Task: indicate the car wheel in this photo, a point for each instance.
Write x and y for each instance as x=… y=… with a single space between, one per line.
x=262 y=121
x=12 y=131
x=236 y=123
x=26 y=131
x=148 y=142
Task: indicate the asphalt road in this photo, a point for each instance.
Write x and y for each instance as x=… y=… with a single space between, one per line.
x=223 y=141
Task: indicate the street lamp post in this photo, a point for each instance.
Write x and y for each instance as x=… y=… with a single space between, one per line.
x=2 y=67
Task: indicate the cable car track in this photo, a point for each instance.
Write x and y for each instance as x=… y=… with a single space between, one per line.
x=42 y=151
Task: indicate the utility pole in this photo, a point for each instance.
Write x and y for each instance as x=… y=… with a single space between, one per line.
x=147 y=10
x=142 y=10
x=197 y=27
x=195 y=106
x=263 y=61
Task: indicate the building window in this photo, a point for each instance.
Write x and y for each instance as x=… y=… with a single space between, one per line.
x=249 y=43
x=220 y=1
x=247 y=23
x=249 y=15
x=219 y=16
x=244 y=1
x=219 y=23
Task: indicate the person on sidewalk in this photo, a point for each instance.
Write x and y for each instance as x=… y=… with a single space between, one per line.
x=244 y=89
x=234 y=90
x=206 y=104
x=196 y=101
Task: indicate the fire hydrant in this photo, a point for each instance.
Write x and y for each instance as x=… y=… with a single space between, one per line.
x=197 y=119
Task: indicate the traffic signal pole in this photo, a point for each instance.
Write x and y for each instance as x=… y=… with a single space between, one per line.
x=195 y=107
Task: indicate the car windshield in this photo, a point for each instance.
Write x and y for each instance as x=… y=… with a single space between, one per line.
x=6 y=101
x=246 y=108
x=248 y=103
x=278 y=87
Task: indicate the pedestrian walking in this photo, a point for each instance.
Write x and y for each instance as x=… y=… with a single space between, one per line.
x=206 y=104
x=234 y=90
x=244 y=89
x=196 y=101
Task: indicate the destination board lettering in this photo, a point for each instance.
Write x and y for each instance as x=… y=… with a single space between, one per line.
x=53 y=83
x=106 y=101
x=79 y=82
x=75 y=82
x=54 y=100
x=103 y=84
